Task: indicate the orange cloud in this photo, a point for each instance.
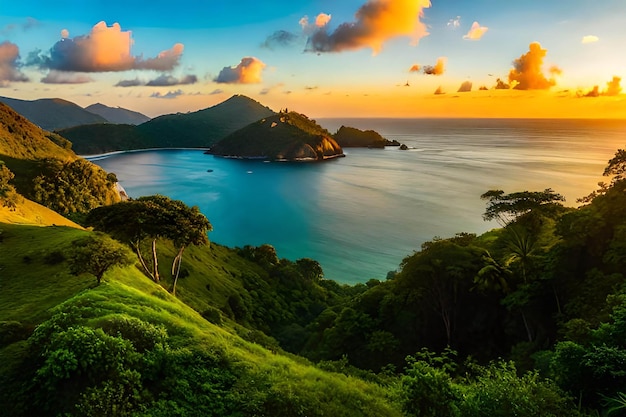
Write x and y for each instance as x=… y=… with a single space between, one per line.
x=527 y=70
x=438 y=69
x=415 y=68
x=465 y=87
x=613 y=87
x=104 y=49
x=376 y=22
x=476 y=32
x=248 y=71
x=9 y=55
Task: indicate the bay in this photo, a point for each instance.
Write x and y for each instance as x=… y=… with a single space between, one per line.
x=359 y=216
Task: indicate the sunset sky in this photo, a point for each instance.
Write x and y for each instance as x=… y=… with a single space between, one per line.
x=325 y=58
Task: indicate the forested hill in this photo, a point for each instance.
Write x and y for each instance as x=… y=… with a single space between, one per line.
x=199 y=129
x=287 y=136
x=42 y=167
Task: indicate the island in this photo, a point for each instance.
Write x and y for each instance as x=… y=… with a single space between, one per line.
x=286 y=136
x=351 y=137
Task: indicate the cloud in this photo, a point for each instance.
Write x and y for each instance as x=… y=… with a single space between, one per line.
x=129 y=83
x=613 y=87
x=271 y=89
x=104 y=49
x=415 y=68
x=483 y=88
x=501 y=85
x=280 y=38
x=595 y=92
x=455 y=23
x=9 y=66
x=248 y=71
x=216 y=92
x=476 y=32
x=438 y=69
x=527 y=72
x=465 y=87
x=439 y=91
x=376 y=22
x=590 y=39
x=169 y=80
x=63 y=77
x=321 y=20
x=168 y=95
x=26 y=25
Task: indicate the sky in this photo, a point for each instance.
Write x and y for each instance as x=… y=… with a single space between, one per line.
x=323 y=58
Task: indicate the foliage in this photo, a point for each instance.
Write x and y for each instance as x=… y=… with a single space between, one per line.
x=8 y=195
x=286 y=136
x=506 y=208
x=153 y=217
x=77 y=186
x=497 y=390
x=96 y=254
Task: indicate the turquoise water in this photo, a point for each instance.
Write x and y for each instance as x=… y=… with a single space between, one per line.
x=359 y=216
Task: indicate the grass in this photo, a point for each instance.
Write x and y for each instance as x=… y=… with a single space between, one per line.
x=30 y=285
x=267 y=383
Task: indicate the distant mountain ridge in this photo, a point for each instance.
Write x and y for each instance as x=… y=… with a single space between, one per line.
x=199 y=129
x=117 y=115
x=53 y=113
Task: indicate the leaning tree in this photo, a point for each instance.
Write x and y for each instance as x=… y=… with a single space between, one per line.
x=151 y=218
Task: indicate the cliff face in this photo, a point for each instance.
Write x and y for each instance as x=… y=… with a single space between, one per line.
x=283 y=137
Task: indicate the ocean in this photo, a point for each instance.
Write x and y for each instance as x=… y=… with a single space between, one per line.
x=359 y=216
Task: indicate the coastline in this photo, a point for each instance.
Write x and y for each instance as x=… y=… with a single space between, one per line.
x=95 y=157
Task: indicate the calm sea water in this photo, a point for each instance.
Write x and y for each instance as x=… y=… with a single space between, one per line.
x=359 y=216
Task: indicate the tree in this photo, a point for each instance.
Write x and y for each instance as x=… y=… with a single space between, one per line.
x=153 y=217
x=96 y=254
x=8 y=196
x=507 y=208
x=616 y=166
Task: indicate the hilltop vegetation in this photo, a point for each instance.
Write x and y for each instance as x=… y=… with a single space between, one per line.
x=286 y=136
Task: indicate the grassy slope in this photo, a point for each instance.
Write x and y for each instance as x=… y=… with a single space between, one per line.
x=30 y=291
x=30 y=213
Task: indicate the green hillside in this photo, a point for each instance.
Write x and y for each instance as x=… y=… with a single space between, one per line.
x=128 y=347
x=285 y=136
x=47 y=171
x=199 y=129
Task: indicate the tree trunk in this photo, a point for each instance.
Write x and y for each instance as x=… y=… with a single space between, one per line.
x=528 y=332
x=142 y=261
x=155 y=262
x=176 y=268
